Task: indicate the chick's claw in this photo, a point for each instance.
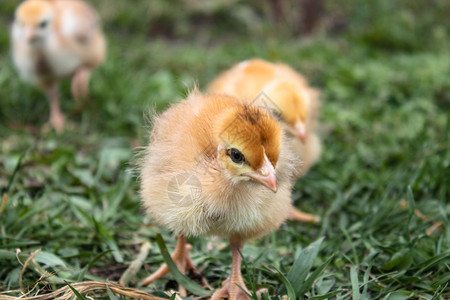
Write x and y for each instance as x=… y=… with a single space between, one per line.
x=57 y=121
x=231 y=290
x=182 y=260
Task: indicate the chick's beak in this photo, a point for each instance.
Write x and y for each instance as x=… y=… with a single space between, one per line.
x=31 y=35
x=265 y=175
x=299 y=130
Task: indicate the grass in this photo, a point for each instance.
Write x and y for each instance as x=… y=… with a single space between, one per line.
x=380 y=186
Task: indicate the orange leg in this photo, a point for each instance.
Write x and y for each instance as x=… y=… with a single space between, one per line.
x=57 y=118
x=297 y=215
x=230 y=288
x=80 y=84
x=182 y=260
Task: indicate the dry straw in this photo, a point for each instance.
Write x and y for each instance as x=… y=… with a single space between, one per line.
x=88 y=289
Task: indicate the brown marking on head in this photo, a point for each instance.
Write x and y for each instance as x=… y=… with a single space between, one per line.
x=253 y=132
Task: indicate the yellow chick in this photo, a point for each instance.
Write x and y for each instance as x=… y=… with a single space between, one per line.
x=56 y=39
x=216 y=166
x=282 y=90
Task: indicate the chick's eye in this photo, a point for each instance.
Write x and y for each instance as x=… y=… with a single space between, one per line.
x=236 y=156
x=43 y=24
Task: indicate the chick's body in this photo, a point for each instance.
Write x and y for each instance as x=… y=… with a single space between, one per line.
x=216 y=166
x=56 y=39
x=185 y=140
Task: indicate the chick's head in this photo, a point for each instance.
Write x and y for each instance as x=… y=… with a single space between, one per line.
x=292 y=105
x=33 y=19
x=249 y=145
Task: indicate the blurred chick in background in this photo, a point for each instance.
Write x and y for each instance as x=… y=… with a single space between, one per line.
x=233 y=173
x=286 y=93
x=56 y=39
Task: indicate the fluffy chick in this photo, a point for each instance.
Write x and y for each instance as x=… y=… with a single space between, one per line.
x=282 y=90
x=217 y=166
x=56 y=39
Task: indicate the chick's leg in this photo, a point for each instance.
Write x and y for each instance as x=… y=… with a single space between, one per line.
x=182 y=260
x=57 y=118
x=230 y=288
x=297 y=215
x=80 y=84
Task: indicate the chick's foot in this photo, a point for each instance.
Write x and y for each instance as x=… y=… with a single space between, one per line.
x=299 y=216
x=57 y=121
x=182 y=260
x=57 y=118
x=80 y=84
x=231 y=288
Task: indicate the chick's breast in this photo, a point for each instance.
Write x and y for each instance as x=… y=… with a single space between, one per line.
x=185 y=188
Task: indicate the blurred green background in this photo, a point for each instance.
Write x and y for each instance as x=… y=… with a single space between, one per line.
x=158 y=48
x=383 y=69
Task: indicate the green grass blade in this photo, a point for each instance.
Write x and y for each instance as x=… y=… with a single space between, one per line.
x=411 y=202
x=16 y=168
x=265 y=297
x=439 y=292
x=118 y=197
x=7 y=255
x=91 y=263
x=398 y=295
x=109 y=240
x=173 y=297
x=290 y=290
x=431 y=262
x=245 y=292
x=248 y=276
x=366 y=282
x=302 y=265
x=187 y=283
x=326 y=296
x=441 y=281
x=49 y=259
x=111 y=295
x=77 y=294
x=311 y=279
x=355 y=283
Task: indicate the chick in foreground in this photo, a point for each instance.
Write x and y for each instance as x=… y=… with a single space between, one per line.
x=283 y=91
x=216 y=166
x=53 y=40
